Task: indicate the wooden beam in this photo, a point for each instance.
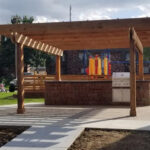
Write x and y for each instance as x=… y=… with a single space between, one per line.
x=24 y=40
x=82 y=34
x=100 y=25
x=132 y=79
x=92 y=46
x=86 y=40
x=141 y=74
x=20 y=78
x=92 y=42
x=58 y=68
x=61 y=33
x=136 y=40
x=85 y=36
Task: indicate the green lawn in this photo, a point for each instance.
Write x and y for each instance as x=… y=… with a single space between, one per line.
x=7 y=99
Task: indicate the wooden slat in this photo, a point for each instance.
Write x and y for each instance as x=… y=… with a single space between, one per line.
x=35 y=91
x=58 y=68
x=20 y=38
x=37 y=87
x=32 y=87
x=141 y=70
x=36 y=84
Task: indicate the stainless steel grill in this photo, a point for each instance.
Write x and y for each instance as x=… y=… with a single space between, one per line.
x=121 y=86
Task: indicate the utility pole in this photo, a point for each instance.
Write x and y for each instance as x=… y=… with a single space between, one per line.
x=0 y=40
x=70 y=13
x=16 y=60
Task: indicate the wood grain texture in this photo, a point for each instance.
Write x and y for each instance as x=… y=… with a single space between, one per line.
x=27 y=41
x=81 y=35
x=20 y=76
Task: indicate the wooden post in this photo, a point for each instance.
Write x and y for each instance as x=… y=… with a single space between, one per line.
x=140 y=65
x=58 y=68
x=135 y=44
x=132 y=79
x=20 y=79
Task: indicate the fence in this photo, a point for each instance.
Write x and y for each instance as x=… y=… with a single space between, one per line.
x=36 y=83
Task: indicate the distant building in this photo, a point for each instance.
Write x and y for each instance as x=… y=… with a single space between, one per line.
x=76 y=62
x=36 y=70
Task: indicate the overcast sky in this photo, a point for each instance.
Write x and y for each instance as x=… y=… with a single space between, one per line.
x=58 y=10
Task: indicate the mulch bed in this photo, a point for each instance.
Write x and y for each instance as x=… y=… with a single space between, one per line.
x=7 y=133
x=96 y=139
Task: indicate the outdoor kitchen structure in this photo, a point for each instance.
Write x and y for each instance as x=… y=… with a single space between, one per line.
x=55 y=38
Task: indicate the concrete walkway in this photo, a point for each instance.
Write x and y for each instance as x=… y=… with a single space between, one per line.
x=56 y=128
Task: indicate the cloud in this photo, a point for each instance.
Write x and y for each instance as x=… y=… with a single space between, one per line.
x=42 y=19
x=145 y=10
x=93 y=15
x=58 y=10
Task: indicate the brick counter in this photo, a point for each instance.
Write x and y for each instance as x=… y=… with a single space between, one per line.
x=143 y=92
x=78 y=92
x=89 y=93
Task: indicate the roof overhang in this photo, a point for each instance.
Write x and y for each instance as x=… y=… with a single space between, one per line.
x=84 y=35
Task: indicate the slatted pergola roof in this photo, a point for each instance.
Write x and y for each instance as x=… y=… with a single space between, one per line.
x=29 y=42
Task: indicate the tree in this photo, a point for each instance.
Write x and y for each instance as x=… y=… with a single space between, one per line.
x=24 y=20
x=7 y=53
x=27 y=20
x=16 y=19
x=7 y=60
x=147 y=54
x=34 y=58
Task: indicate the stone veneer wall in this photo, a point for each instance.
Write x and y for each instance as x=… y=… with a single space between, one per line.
x=89 y=93
x=78 y=93
x=143 y=92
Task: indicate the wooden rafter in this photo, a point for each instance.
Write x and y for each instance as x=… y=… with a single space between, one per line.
x=136 y=40
x=29 y=42
x=58 y=68
x=139 y=47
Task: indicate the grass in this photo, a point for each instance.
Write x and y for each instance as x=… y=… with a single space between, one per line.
x=8 y=99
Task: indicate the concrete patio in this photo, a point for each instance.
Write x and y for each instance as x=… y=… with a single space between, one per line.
x=56 y=127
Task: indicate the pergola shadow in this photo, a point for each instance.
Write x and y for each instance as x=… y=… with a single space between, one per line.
x=50 y=131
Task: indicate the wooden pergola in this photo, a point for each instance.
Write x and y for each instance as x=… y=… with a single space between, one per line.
x=54 y=38
x=21 y=40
